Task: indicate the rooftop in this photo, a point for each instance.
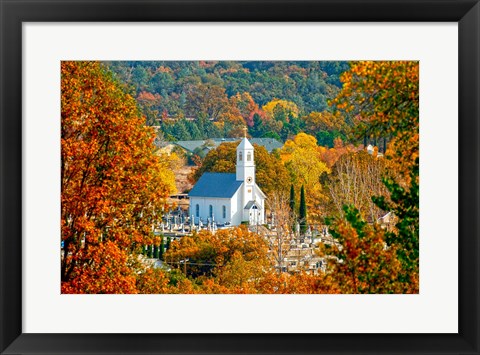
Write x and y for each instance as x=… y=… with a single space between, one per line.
x=220 y=185
x=269 y=143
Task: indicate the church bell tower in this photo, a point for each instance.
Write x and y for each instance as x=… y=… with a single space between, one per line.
x=246 y=172
x=245 y=162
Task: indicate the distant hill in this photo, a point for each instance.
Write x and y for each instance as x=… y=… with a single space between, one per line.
x=218 y=98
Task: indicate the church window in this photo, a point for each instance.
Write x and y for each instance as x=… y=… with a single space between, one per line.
x=240 y=157
x=249 y=156
x=224 y=211
x=210 y=211
x=197 y=210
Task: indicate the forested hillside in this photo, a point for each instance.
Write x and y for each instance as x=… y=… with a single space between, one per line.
x=199 y=99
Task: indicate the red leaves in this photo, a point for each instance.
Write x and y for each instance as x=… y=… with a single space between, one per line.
x=112 y=181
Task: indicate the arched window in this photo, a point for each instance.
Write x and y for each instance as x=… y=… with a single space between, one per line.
x=197 y=210
x=249 y=156
x=240 y=157
x=210 y=211
x=224 y=212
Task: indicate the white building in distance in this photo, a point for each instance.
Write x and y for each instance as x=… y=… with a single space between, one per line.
x=230 y=198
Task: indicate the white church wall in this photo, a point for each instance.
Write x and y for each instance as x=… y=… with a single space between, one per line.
x=236 y=212
x=204 y=208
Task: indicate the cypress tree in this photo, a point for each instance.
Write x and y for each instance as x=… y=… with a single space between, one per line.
x=169 y=240
x=303 y=211
x=162 y=249
x=155 y=251
x=292 y=199
x=149 y=251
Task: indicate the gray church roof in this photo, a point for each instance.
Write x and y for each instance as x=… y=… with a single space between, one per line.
x=269 y=143
x=250 y=204
x=216 y=185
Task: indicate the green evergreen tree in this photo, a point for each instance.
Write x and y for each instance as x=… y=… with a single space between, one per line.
x=303 y=211
x=169 y=241
x=155 y=251
x=180 y=131
x=292 y=200
x=193 y=130
x=161 y=249
x=149 y=251
x=257 y=130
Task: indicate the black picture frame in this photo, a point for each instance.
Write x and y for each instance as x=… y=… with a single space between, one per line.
x=15 y=12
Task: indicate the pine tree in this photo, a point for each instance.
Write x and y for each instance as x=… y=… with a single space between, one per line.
x=303 y=211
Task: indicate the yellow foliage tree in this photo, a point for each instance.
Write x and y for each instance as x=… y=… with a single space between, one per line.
x=302 y=158
x=289 y=109
x=323 y=121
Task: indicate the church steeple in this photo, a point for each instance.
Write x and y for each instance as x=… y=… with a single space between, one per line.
x=245 y=162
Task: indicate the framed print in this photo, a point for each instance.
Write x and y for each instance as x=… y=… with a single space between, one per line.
x=241 y=177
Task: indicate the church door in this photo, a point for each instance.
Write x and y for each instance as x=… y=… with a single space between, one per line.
x=253 y=216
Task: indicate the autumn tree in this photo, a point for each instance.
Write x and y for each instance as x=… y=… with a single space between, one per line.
x=331 y=155
x=364 y=262
x=355 y=178
x=325 y=126
x=207 y=99
x=383 y=96
x=281 y=237
x=113 y=185
x=230 y=120
x=374 y=259
x=233 y=258
x=281 y=110
x=246 y=106
x=302 y=158
x=149 y=104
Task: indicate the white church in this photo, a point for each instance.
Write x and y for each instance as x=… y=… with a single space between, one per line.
x=225 y=198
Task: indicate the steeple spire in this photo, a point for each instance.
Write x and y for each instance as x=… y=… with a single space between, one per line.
x=245 y=132
x=245 y=161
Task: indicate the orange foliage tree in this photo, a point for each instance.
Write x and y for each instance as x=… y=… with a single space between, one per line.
x=113 y=185
x=383 y=96
x=247 y=106
x=232 y=259
x=364 y=263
